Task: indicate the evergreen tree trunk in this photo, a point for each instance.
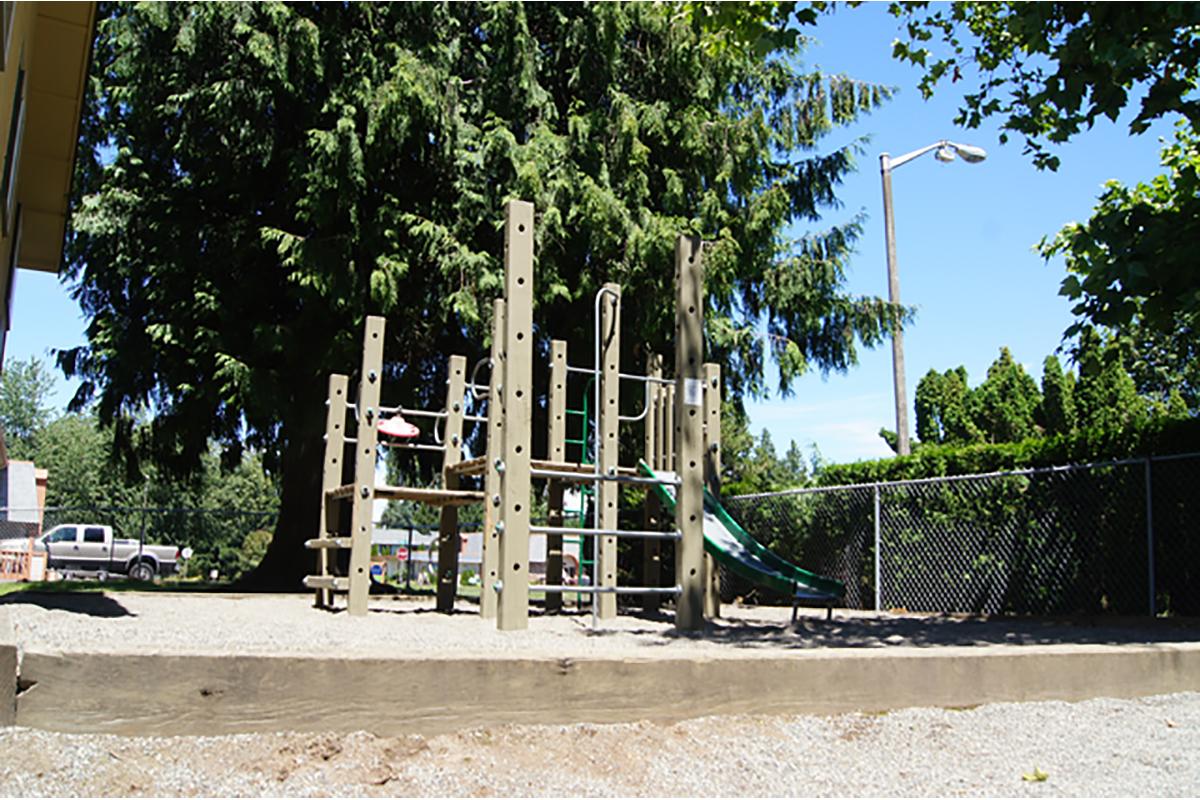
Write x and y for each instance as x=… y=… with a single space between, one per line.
x=287 y=561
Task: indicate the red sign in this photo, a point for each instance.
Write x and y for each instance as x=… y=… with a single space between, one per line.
x=402 y=553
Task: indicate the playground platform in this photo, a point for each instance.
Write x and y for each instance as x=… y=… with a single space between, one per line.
x=202 y=664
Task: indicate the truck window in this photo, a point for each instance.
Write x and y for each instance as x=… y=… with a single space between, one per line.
x=66 y=534
x=93 y=535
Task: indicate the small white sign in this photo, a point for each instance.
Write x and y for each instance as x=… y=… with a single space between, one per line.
x=693 y=392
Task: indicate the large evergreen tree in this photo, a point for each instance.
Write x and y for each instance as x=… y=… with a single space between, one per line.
x=281 y=171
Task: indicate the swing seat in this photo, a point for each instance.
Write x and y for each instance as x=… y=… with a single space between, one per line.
x=398 y=427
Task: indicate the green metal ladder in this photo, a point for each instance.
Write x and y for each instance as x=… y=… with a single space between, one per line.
x=586 y=490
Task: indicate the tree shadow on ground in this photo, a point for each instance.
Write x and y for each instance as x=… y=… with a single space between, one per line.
x=896 y=631
x=92 y=604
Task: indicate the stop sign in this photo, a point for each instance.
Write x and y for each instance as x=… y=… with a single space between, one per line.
x=402 y=553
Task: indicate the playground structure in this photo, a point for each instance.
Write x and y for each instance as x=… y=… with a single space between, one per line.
x=681 y=419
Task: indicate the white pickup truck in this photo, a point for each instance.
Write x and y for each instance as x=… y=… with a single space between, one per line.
x=92 y=548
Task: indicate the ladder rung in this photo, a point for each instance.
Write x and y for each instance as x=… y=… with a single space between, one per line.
x=326 y=582
x=329 y=543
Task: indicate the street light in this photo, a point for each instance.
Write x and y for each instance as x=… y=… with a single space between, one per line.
x=946 y=151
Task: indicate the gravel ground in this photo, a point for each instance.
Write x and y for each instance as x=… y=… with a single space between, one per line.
x=1105 y=747
x=288 y=624
x=1148 y=747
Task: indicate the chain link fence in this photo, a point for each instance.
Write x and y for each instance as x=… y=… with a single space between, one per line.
x=1114 y=537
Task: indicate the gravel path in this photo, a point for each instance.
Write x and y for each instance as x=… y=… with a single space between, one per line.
x=288 y=624
x=1148 y=748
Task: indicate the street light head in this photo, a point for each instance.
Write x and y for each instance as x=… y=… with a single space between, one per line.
x=945 y=154
x=970 y=153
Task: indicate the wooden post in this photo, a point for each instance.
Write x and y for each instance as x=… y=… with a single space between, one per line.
x=712 y=478
x=370 y=378
x=449 y=539
x=557 y=451
x=331 y=478
x=513 y=610
x=652 y=548
x=490 y=567
x=608 y=460
x=689 y=434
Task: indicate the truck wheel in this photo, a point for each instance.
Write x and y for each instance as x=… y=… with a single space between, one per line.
x=142 y=571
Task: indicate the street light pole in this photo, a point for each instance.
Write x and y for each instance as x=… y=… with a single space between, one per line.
x=889 y=233
x=946 y=151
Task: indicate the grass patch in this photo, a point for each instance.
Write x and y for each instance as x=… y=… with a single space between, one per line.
x=118 y=585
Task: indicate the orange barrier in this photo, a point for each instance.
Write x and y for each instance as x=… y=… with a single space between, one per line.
x=15 y=563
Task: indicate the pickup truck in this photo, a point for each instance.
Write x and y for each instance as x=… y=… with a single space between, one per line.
x=92 y=548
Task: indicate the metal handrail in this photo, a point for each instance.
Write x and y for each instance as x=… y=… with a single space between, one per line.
x=620 y=534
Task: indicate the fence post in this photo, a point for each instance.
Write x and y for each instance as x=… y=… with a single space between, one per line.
x=878 y=559
x=1150 y=539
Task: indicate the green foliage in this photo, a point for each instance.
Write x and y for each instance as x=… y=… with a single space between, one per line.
x=941 y=406
x=750 y=465
x=281 y=171
x=1053 y=69
x=254 y=547
x=25 y=388
x=1129 y=263
x=1057 y=412
x=1004 y=405
x=1106 y=398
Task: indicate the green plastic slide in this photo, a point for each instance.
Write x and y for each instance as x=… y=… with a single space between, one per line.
x=738 y=552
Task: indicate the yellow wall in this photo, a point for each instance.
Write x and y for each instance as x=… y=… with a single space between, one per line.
x=51 y=42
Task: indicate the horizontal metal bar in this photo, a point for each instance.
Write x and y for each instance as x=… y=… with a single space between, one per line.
x=434 y=448
x=474 y=418
x=620 y=534
x=551 y=589
x=412 y=412
x=581 y=370
x=588 y=477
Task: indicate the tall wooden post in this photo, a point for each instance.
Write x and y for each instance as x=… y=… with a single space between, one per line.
x=712 y=478
x=689 y=434
x=652 y=548
x=331 y=478
x=449 y=539
x=490 y=566
x=557 y=452
x=370 y=378
x=513 y=610
x=609 y=414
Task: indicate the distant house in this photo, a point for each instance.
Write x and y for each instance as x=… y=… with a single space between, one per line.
x=22 y=498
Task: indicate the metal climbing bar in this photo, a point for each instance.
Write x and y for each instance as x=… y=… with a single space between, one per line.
x=609 y=590
x=434 y=448
x=607 y=532
x=589 y=477
x=412 y=412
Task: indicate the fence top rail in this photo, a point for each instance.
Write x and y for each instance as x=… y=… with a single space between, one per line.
x=974 y=476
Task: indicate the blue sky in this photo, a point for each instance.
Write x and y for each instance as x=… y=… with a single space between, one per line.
x=964 y=239
x=964 y=242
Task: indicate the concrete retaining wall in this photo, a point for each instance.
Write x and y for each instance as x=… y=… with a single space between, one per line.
x=169 y=695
